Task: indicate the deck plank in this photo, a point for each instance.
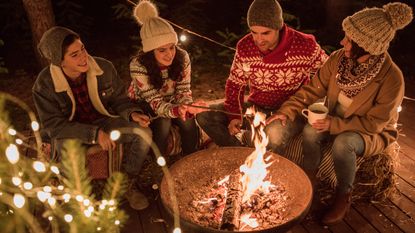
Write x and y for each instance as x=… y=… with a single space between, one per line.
x=358 y=223
x=395 y=215
x=376 y=218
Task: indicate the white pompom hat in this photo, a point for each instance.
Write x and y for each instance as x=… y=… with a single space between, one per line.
x=155 y=31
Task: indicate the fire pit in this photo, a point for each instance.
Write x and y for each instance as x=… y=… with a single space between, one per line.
x=204 y=173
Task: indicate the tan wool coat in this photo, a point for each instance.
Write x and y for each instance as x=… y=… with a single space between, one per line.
x=374 y=111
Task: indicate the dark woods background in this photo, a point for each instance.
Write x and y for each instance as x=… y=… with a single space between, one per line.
x=108 y=29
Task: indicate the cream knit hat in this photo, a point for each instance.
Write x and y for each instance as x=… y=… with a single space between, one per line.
x=374 y=28
x=265 y=13
x=155 y=31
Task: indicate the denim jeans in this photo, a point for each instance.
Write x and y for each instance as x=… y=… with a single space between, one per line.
x=346 y=146
x=134 y=158
x=188 y=132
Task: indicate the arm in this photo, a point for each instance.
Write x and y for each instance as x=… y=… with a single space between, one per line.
x=235 y=87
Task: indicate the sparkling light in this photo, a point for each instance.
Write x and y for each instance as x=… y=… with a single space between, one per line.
x=99 y=228
x=54 y=169
x=51 y=201
x=19 y=141
x=115 y=135
x=68 y=218
x=60 y=187
x=50 y=218
x=399 y=108
x=12 y=132
x=27 y=185
x=66 y=197
x=47 y=189
x=35 y=125
x=177 y=230
x=111 y=202
x=86 y=202
x=161 y=161
x=12 y=154
x=79 y=198
x=42 y=196
x=16 y=181
x=19 y=200
x=87 y=213
x=183 y=37
x=117 y=222
x=39 y=166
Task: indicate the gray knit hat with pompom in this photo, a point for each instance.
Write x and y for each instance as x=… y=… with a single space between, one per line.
x=374 y=28
x=155 y=31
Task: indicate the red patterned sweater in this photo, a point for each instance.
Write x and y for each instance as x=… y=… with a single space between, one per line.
x=274 y=77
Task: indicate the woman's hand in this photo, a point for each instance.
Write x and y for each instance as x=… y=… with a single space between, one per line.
x=142 y=119
x=105 y=141
x=196 y=110
x=322 y=125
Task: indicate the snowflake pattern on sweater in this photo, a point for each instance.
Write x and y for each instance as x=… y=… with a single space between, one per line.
x=166 y=100
x=274 y=77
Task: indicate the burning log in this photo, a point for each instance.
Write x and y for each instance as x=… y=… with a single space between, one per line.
x=231 y=213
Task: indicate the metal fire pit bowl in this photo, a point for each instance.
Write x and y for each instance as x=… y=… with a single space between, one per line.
x=197 y=169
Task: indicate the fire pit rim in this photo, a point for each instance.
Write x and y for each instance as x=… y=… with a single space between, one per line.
x=279 y=228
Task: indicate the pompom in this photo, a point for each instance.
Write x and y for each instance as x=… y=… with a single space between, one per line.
x=145 y=10
x=399 y=13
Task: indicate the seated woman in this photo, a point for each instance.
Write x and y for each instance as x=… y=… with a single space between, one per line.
x=160 y=76
x=364 y=89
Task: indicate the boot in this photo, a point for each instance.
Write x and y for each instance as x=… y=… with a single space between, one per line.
x=338 y=210
x=135 y=198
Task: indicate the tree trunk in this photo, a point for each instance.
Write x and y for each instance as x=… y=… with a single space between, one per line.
x=41 y=18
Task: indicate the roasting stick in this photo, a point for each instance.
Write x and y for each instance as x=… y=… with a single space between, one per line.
x=203 y=107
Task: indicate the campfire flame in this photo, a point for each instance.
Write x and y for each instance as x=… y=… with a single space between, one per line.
x=255 y=168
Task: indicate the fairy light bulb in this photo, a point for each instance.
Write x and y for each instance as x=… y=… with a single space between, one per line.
x=19 y=200
x=16 y=181
x=115 y=135
x=111 y=202
x=99 y=228
x=12 y=132
x=39 y=166
x=183 y=38
x=161 y=161
x=50 y=218
x=52 y=201
x=60 y=187
x=68 y=218
x=12 y=154
x=19 y=141
x=117 y=222
x=79 y=198
x=43 y=196
x=400 y=108
x=27 y=185
x=177 y=230
x=54 y=169
x=35 y=125
x=86 y=202
x=87 y=213
x=66 y=197
x=47 y=189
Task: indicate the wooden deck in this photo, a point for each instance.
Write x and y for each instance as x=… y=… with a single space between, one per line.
x=396 y=214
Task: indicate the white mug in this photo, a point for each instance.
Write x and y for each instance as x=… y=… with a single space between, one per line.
x=315 y=112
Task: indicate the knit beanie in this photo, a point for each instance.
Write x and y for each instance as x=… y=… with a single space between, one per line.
x=155 y=31
x=265 y=13
x=50 y=45
x=374 y=28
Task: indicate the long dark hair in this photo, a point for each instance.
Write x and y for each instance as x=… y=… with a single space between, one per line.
x=69 y=39
x=148 y=60
x=357 y=51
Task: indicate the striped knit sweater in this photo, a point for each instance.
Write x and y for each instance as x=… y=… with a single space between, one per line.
x=164 y=101
x=274 y=77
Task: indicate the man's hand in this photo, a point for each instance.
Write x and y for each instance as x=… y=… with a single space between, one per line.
x=105 y=141
x=281 y=117
x=234 y=126
x=142 y=119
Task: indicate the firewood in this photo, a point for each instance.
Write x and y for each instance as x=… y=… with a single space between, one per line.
x=231 y=213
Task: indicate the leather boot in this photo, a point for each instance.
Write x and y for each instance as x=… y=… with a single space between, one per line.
x=338 y=210
x=135 y=198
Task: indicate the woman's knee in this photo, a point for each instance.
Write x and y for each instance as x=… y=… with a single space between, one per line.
x=310 y=134
x=347 y=144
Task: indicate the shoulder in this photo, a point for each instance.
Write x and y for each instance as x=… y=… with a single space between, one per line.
x=246 y=47
x=104 y=63
x=245 y=42
x=43 y=79
x=184 y=54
